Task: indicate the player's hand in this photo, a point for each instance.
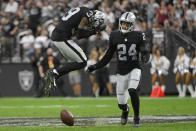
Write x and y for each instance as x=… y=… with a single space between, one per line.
x=100 y=28
x=146 y=58
x=91 y=68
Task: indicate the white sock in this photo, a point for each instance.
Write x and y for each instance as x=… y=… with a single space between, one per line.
x=179 y=89
x=190 y=88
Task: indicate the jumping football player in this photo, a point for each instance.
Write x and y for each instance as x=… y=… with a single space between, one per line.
x=82 y=23
x=131 y=49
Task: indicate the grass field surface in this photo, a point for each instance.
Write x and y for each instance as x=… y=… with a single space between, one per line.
x=26 y=107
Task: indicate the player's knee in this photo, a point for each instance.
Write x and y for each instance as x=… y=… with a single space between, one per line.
x=132 y=91
x=123 y=106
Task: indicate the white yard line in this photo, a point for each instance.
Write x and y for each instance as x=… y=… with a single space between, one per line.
x=55 y=106
x=94 y=121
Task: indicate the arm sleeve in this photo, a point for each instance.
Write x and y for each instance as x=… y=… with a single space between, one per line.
x=144 y=48
x=82 y=33
x=108 y=55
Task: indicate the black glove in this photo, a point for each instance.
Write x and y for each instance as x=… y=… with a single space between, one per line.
x=145 y=57
x=100 y=28
x=91 y=68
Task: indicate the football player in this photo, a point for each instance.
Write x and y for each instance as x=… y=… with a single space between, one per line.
x=82 y=23
x=131 y=49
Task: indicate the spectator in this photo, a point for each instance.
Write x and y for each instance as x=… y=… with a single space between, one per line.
x=152 y=7
x=49 y=62
x=109 y=16
x=92 y=60
x=7 y=30
x=27 y=42
x=181 y=66
x=191 y=13
x=35 y=59
x=46 y=11
x=43 y=39
x=11 y=6
x=34 y=17
x=160 y=65
x=102 y=76
x=179 y=11
x=75 y=80
x=191 y=75
x=162 y=13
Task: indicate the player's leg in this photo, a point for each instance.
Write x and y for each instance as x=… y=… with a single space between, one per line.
x=188 y=84
x=69 y=49
x=178 y=85
x=134 y=79
x=122 y=96
x=74 y=53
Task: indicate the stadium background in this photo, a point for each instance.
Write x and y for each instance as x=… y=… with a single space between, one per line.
x=27 y=24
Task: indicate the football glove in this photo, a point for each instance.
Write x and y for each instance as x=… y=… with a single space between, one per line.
x=91 y=68
x=145 y=57
x=100 y=28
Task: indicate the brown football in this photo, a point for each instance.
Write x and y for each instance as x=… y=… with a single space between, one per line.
x=67 y=117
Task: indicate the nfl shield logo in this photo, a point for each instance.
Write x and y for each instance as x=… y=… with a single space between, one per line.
x=26 y=79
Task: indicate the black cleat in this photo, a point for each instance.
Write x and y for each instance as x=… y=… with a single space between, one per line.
x=124 y=116
x=137 y=121
x=50 y=79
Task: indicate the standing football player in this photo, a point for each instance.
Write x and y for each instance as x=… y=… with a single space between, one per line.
x=82 y=23
x=131 y=49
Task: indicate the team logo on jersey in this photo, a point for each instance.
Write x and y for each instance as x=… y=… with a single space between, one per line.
x=26 y=79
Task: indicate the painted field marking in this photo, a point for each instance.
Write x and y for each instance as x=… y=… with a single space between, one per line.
x=55 y=106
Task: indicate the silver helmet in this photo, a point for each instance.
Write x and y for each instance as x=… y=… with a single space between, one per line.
x=98 y=19
x=129 y=18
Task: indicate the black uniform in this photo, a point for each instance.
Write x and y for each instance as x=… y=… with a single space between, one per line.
x=69 y=23
x=129 y=48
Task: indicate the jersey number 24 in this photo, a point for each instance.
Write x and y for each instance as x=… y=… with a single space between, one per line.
x=122 y=52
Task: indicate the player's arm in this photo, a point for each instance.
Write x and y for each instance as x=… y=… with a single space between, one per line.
x=82 y=32
x=105 y=60
x=144 y=49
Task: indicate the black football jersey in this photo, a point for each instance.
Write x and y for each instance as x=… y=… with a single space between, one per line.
x=128 y=48
x=69 y=23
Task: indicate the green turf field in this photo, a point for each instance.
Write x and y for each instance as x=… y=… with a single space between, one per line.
x=25 y=107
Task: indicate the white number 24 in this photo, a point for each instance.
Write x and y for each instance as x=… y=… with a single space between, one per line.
x=122 y=51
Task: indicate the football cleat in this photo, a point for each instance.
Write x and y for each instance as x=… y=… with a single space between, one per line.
x=50 y=79
x=124 y=116
x=137 y=121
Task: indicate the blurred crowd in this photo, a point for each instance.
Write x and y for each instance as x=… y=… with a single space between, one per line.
x=26 y=26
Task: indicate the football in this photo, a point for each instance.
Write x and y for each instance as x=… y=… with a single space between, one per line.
x=67 y=117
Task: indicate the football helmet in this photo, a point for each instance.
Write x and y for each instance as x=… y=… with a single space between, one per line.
x=129 y=18
x=98 y=19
